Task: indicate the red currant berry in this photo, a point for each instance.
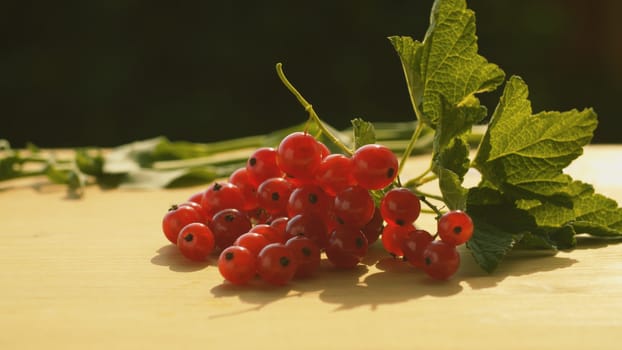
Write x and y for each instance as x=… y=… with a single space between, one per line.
x=196 y=197
x=373 y=229
x=279 y=224
x=393 y=236
x=195 y=241
x=299 y=155
x=310 y=199
x=414 y=244
x=227 y=225
x=334 y=174
x=400 y=206
x=252 y=241
x=179 y=216
x=324 y=150
x=272 y=234
x=276 y=264
x=375 y=166
x=273 y=195
x=354 y=207
x=455 y=227
x=441 y=260
x=237 y=264
x=221 y=195
x=308 y=225
x=261 y=165
x=307 y=255
x=346 y=247
x=241 y=179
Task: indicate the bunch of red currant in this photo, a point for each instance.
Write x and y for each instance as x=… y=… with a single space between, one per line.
x=275 y=217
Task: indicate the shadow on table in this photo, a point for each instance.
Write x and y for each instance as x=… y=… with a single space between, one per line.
x=169 y=255
x=514 y=265
x=393 y=280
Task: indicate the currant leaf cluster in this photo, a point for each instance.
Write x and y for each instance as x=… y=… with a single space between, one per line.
x=524 y=199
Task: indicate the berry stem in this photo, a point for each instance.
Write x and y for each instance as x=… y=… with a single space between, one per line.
x=411 y=145
x=431 y=206
x=421 y=179
x=309 y=108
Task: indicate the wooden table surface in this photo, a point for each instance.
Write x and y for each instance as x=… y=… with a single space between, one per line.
x=97 y=273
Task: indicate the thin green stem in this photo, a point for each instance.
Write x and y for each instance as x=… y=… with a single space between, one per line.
x=428 y=211
x=431 y=206
x=421 y=179
x=427 y=195
x=309 y=108
x=22 y=174
x=411 y=145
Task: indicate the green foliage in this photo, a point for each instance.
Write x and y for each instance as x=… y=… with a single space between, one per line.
x=524 y=198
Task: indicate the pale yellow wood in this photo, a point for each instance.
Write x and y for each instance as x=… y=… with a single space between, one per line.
x=97 y=273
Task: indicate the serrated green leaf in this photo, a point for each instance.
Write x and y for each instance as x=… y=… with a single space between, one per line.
x=525 y=152
x=456 y=121
x=564 y=237
x=446 y=64
x=498 y=226
x=450 y=184
x=490 y=244
x=536 y=241
x=364 y=132
x=595 y=214
x=450 y=166
x=409 y=51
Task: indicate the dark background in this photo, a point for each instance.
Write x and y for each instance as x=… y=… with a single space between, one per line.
x=103 y=73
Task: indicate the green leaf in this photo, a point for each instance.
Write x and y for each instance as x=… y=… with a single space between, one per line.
x=90 y=162
x=522 y=156
x=525 y=152
x=154 y=179
x=590 y=213
x=446 y=65
x=450 y=184
x=450 y=165
x=364 y=132
x=456 y=121
x=409 y=51
x=132 y=156
x=498 y=226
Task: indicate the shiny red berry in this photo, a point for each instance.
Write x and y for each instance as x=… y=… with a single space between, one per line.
x=400 y=206
x=179 y=216
x=441 y=260
x=414 y=244
x=276 y=264
x=375 y=166
x=262 y=165
x=354 y=207
x=299 y=155
x=307 y=255
x=229 y=224
x=334 y=174
x=455 y=227
x=393 y=236
x=221 y=195
x=196 y=241
x=346 y=247
x=237 y=264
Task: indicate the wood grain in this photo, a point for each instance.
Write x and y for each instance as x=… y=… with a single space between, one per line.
x=97 y=273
